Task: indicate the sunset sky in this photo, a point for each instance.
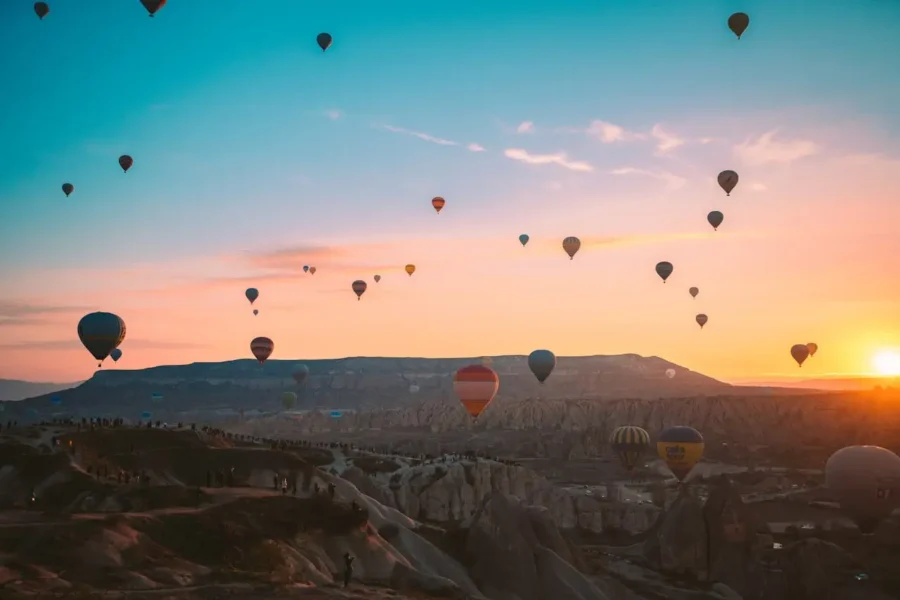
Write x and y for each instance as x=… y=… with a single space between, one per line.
x=256 y=154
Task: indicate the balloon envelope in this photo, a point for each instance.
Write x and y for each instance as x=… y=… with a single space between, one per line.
x=359 y=288
x=629 y=443
x=681 y=447
x=670 y=373
x=701 y=320
x=410 y=269
x=153 y=6
x=541 y=363
x=262 y=348
x=813 y=348
x=476 y=386
x=288 y=399
x=324 y=41
x=312 y=270
x=115 y=354
x=694 y=291
x=866 y=482
x=738 y=23
x=145 y=415
x=800 y=352
x=125 y=162
x=252 y=294
x=306 y=268
x=41 y=9
x=377 y=278
x=571 y=245
x=300 y=373
x=67 y=189
x=523 y=239
x=101 y=332
x=715 y=219
x=335 y=414
x=438 y=203
x=727 y=180
x=664 y=269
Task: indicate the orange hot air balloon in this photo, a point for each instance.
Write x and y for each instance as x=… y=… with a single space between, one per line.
x=476 y=386
x=438 y=203
x=813 y=348
x=262 y=348
x=410 y=269
x=312 y=270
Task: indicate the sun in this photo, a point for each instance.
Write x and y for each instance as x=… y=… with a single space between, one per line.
x=887 y=363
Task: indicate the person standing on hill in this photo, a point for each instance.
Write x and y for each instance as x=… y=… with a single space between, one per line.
x=348 y=569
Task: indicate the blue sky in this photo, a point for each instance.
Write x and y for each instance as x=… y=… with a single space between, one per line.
x=246 y=137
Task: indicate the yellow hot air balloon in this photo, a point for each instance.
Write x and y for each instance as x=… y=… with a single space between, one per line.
x=410 y=269
x=630 y=443
x=682 y=448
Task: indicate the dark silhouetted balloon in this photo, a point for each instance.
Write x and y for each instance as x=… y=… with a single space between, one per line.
x=813 y=348
x=153 y=6
x=664 y=269
x=252 y=294
x=800 y=352
x=115 y=354
x=41 y=9
x=693 y=292
x=125 y=162
x=571 y=245
x=542 y=363
x=738 y=23
x=438 y=203
x=866 y=482
x=359 y=288
x=523 y=239
x=67 y=189
x=715 y=219
x=101 y=332
x=324 y=41
x=727 y=180
x=377 y=278
x=701 y=320
x=300 y=373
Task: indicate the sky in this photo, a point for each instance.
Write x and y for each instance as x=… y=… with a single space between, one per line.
x=255 y=153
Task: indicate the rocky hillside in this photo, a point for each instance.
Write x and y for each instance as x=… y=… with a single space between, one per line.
x=360 y=383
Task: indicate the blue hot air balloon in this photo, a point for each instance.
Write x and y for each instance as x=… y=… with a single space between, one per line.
x=156 y=396
x=523 y=239
x=145 y=415
x=335 y=414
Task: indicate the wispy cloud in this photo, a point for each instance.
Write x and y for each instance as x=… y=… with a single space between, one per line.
x=672 y=181
x=74 y=344
x=609 y=133
x=665 y=140
x=422 y=136
x=334 y=114
x=758 y=187
x=559 y=158
x=766 y=149
x=18 y=314
x=525 y=127
x=475 y=148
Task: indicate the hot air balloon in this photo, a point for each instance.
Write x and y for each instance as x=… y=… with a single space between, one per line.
x=541 y=363
x=629 y=443
x=715 y=219
x=156 y=396
x=800 y=353
x=336 y=414
x=306 y=268
x=324 y=41
x=701 y=320
x=115 y=354
x=153 y=5
x=252 y=294
x=571 y=245
x=125 y=162
x=475 y=386
x=523 y=239
x=377 y=278
x=664 y=269
x=738 y=23
x=693 y=292
x=727 y=181
x=67 y=189
x=410 y=269
x=101 y=332
x=670 y=373
x=813 y=348
x=866 y=482
x=312 y=270
x=41 y=9
x=438 y=203
x=255 y=311
x=359 y=288
x=300 y=373
x=288 y=400
x=262 y=348
x=146 y=415
x=681 y=447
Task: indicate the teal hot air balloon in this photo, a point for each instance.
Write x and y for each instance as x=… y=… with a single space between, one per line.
x=541 y=363
x=146 y=415
x=300 y=373
x=335 y=414
x=523 y=239
x=101 y=333
x=115 y=354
